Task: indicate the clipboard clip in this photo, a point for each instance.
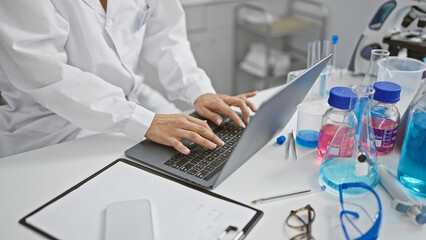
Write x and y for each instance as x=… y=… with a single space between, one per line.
x=227 y=230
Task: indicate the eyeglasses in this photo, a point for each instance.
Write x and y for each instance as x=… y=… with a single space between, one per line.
x=301 y=220
x=361 y=213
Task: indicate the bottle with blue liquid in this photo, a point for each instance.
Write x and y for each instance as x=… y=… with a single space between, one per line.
x=412 y=163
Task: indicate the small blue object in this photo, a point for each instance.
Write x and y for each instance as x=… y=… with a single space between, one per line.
x=334 y=39
x=342 y=98
x=388 y=92
x=281 y=140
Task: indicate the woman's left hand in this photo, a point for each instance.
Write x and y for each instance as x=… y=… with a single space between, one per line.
x=206 y=105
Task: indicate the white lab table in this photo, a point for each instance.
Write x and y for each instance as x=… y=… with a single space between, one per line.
x=31 y=179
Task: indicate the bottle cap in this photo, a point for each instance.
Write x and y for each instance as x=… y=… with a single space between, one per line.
x=340 y=97
x=281 y=140
x=334 y=39
x=388 y=92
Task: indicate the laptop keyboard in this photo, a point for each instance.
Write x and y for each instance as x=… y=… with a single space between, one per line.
x=203 y=162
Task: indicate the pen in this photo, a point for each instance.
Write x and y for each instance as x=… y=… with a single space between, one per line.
x=290 y=194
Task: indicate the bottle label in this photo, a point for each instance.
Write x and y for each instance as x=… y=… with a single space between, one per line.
x=361 y=169
x=385 y=138
x=338 y=143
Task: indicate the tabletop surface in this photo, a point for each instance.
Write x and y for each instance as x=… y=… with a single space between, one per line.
x=31 y=179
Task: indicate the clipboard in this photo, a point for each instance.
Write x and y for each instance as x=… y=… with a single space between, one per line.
x=208 y=208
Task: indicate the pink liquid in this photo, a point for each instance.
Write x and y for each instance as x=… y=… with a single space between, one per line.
x=385 y=132
x=343 y=144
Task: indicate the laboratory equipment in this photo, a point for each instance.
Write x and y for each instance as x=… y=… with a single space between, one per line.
x=404 y=118
x=406 y=72
x=402 y=201
x=334 y=41
x=309 y=117
x=385 y=115
x=339 y=123
x=360 y=217
x=392 y=20
x=316 y=51
x=371 y=75
x=412 y=163
x=348 y=159
x=365 y=94
x=292 y=144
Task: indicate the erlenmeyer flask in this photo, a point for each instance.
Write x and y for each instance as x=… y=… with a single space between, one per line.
x=361 y=165
x=365 y=94
x=371 y=75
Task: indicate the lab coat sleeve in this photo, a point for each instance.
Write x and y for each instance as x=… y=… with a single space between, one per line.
x=32 y=54
x=167 y=48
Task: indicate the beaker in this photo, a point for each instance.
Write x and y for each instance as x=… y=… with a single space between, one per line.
x=407 y=72
x=309 y=123
x=361 y=165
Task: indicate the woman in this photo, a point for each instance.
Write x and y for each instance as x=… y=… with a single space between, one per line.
x=71 y=68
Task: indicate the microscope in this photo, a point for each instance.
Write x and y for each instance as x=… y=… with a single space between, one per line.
x=399 y=27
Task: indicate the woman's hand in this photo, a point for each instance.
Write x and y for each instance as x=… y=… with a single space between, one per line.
x=170 y=129
x=206 y=105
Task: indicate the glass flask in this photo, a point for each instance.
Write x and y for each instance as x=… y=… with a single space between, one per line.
x=365 y=94
x=369 y=79
x=373 y=68
x=412 y=163
x=361 y=165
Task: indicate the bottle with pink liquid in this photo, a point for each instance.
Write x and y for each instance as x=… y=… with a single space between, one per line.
x=342 y=101
x=385 y=115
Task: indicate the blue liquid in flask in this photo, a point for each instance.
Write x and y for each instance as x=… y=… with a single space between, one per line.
x=307 y=138
x=412 y=165
x=336 y=171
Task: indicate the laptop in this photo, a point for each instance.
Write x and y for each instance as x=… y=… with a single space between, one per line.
x=208 y=168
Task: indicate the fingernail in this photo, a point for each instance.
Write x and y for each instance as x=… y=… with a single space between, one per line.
x=212 y=145
x=221 y=142
x=248 y=120
x=218 y=122
x=186 y=151
x=244 y=126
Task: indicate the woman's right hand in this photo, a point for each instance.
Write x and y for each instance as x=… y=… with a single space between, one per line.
x=170 y=129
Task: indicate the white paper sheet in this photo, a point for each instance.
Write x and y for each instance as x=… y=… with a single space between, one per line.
x=178 y=212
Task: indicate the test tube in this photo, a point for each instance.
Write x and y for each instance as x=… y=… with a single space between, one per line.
x=334 y=40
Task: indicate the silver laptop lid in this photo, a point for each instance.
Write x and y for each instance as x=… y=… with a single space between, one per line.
x=272 y=116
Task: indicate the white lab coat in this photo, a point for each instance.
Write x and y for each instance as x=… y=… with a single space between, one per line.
x=66 y=65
